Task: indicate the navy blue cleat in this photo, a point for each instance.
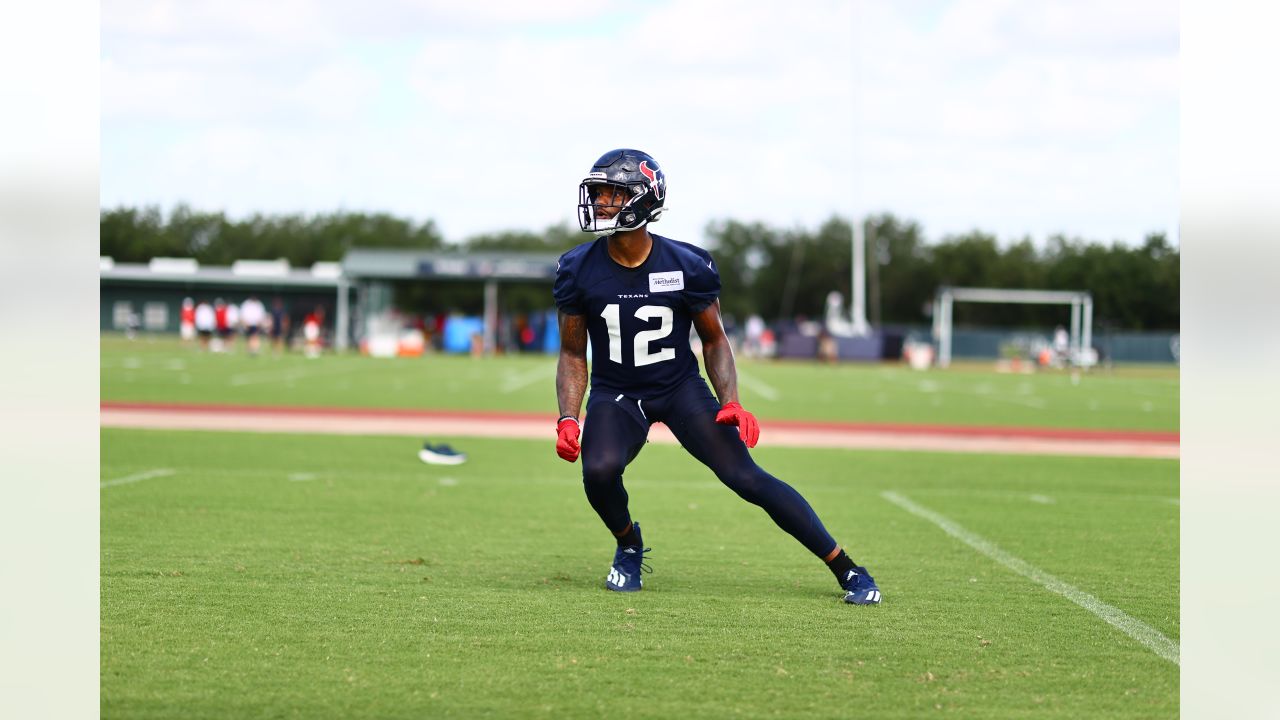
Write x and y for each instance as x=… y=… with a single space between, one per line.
x=860 y=588
x=628 y=562
x=440 y=455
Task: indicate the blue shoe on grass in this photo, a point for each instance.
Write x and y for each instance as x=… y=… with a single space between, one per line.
x=440 y=455
x=860 y=588
x=628 y=563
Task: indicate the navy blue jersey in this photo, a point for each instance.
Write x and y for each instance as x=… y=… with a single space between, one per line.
x=638 y=319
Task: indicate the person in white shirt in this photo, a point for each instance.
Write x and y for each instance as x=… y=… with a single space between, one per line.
x=252 y=314
x=205 y=323
x=1061 y=346
x=233 y=326
x=755 y=332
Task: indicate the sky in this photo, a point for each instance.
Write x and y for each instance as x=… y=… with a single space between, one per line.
x=1020 y=119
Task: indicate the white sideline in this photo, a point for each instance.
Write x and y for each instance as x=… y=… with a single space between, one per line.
x=289 y=374
x=1153 y=639
x=757 y=386
x=529 y=377
x=136 y=477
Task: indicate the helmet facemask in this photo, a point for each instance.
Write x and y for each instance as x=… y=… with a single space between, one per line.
x=626 y=203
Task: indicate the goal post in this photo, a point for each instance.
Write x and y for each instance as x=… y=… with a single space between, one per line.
x=1081 y=303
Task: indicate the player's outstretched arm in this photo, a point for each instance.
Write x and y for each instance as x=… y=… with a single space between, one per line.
x=717 y=355
x=571 y=383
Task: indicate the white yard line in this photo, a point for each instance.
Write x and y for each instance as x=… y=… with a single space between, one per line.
x=525 y=379
x=1153 y=639
x=1031 y=402
x=1070 y=497
x=294 y=373
x=138 y=477
x=758 y=386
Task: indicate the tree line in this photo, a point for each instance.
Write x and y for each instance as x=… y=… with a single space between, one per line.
x=778 y=273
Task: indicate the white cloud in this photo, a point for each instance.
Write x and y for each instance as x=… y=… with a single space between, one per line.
x=1008 y=116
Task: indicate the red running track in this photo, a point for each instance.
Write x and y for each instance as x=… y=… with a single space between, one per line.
x=791 y=433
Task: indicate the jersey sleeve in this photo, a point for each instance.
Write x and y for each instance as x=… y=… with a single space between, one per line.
x=566 y=292
x=703 y=286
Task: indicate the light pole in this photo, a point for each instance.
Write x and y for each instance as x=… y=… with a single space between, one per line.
x=858 y=304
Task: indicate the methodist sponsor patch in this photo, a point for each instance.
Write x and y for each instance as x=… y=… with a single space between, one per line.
x=667 y=281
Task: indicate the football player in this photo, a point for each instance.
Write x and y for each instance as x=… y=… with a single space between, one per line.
x=633 y=295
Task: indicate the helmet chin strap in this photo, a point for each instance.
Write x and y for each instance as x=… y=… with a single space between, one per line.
x=609 y=231
x=606 y=231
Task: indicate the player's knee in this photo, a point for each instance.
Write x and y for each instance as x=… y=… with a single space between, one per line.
x=601 y=470
x=750 y=483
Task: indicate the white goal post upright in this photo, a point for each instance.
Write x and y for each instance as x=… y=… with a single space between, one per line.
x=1081 y=303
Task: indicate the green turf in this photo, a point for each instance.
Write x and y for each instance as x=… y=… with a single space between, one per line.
x=163 y=371
x=304 y=576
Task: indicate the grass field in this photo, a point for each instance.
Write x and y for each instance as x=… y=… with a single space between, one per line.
x=255 y=575
x=1128 y=399
x=260 y=575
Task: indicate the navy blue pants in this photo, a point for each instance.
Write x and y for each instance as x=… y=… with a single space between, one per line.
x=617 y=427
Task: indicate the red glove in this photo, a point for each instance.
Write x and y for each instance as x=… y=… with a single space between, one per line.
x=567 y=431
x=748 y=429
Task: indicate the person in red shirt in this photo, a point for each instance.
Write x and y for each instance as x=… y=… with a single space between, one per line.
x=222 y=324
x=312 y=326
x=187 y=321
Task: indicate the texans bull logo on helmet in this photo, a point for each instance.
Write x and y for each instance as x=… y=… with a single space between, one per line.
x=657 y=181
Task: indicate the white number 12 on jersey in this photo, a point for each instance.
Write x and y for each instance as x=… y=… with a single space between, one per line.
x=613 y=319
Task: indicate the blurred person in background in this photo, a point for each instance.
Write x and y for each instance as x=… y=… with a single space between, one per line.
x=1061 y=346
x=206 y=323
x=132 y=325
x=187 y=321
x=279 y=325
x=233 y=326
x=252 y=316
x=312 y=327
x=754 y=332
x=222 y=327
x=438 y=324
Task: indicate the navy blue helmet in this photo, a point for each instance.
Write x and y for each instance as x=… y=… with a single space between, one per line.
x=628 y=183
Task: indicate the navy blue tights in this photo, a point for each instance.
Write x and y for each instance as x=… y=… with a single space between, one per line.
x=615 y=430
